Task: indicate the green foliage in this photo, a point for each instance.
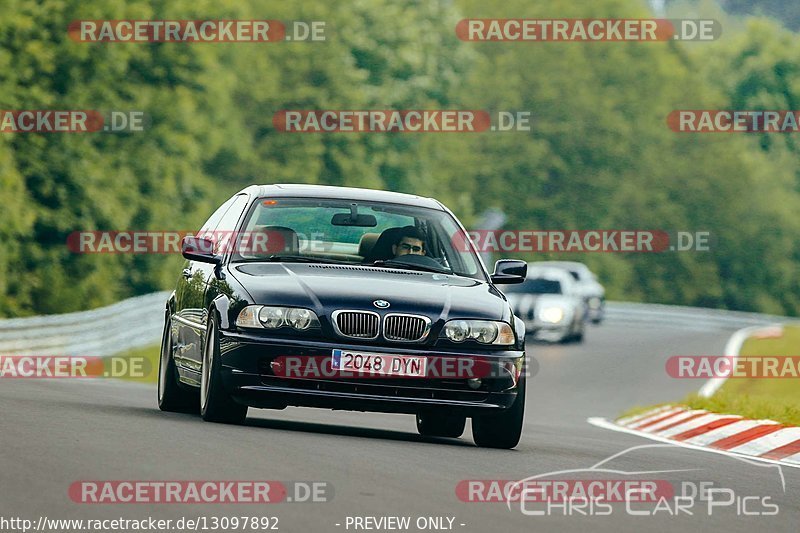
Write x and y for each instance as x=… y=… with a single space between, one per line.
x=599 y=154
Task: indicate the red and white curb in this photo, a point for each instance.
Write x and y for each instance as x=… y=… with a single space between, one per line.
x=763 y=440
x=730 y=434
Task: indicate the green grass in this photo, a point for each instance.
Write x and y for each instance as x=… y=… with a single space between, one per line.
x=147 y=358
x=774 y=399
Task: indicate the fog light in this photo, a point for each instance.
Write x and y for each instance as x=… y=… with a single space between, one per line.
x=474 y=383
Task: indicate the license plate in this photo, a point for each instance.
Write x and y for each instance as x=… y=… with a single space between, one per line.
x=379 y=364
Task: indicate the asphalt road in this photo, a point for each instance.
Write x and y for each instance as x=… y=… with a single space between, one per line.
x=56 y=432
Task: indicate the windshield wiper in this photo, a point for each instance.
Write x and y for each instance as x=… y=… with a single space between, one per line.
x=285 y=258
x=411 y=266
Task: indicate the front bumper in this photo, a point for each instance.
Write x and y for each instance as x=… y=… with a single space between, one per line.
x=547 y=331
x=251 y=377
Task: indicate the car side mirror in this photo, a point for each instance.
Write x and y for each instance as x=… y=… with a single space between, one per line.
x=509 y=271
x=199 y=249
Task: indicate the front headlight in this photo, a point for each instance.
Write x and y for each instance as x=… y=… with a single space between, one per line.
x=483 y=331
x=457 y=330
x=300 y=318
x=273 y=317
x=552 y=315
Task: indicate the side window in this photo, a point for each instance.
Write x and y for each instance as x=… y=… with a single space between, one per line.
x=231 y=217
x=228 y=222
x=213 y=220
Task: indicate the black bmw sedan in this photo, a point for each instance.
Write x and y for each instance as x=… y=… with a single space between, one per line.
x=344 y=298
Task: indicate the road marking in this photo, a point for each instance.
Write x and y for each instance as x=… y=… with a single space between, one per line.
x=732 y=349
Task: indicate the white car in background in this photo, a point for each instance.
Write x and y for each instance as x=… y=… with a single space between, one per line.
x=549 y=303
x=590 y=289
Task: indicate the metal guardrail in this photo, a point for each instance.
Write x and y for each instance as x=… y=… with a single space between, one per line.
x=691 y=318
x=138 y=322
x=101 y=332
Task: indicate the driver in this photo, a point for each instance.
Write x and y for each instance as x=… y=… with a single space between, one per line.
x=410 y=241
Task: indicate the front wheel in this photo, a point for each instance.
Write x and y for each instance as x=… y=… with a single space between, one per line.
x=171 y=397
x=216 y=405
x=441 y=425
x=501 y=430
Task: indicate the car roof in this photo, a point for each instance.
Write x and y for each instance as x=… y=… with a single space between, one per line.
x=548 y=272
x=302 y=190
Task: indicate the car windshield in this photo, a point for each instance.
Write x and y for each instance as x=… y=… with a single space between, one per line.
x=350 y=232
x=536 y=286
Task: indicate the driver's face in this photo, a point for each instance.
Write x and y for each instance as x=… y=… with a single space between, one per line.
x=408 y=246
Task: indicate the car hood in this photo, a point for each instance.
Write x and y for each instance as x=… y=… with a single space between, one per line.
x=325 y=288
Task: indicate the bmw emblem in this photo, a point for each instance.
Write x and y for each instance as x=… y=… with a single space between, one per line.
x=381 y=304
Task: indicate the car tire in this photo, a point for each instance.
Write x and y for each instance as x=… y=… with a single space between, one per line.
x=568 y=337
x=171 y=396
x=441 y=425
x=578 y=336
x=502 y=430
x=216 y=405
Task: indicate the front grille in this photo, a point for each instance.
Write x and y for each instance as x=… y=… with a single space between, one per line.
x=409 y=328
x=357 y=324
